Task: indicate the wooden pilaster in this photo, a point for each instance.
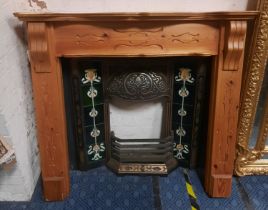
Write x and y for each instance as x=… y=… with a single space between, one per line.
x=224 y=107
x=50 y=111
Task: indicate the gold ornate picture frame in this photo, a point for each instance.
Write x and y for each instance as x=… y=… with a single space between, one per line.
x=248 y=160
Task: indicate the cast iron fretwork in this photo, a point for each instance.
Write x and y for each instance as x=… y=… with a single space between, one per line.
x=138 y=86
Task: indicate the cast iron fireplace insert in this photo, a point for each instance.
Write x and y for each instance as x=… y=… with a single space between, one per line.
x=179 y=83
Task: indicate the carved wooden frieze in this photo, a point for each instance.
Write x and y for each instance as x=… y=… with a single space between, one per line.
x=38 y=47
x=234 y=46
x=138 y=85
x=141 y=38
x=186 y=37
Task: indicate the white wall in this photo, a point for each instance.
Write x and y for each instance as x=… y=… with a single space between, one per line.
x=16 y=110
x=17 y=121
x=137 y=5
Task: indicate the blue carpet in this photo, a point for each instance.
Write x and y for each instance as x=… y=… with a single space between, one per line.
x=257 y=189
x=100 y=189
x=97 y=189
x=235 y=201
x=173 y=191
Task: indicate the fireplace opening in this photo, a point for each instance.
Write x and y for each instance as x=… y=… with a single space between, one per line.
x=137 y=133
x=137 y=115
x=140 y=81
x=135 y=120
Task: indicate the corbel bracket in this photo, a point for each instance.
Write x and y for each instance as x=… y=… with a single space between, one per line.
x=234 y=45
x=38 y=47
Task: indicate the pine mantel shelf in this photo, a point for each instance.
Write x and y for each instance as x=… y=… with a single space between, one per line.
x=220 y=35
x=35 y=17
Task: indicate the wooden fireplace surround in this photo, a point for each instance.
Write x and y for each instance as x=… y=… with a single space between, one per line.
x=220 y=35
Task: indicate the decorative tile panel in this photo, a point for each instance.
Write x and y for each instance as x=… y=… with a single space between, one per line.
x=188 y=110
x=84 y=87
x=95 y=147
x=91 y=86
x=182 y=79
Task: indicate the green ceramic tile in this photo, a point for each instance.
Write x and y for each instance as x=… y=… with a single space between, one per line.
x=98 y=92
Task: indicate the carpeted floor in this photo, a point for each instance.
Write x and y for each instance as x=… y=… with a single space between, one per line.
x=100 y=189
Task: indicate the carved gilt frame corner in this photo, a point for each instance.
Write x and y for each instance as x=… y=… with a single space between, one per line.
x=246 y=162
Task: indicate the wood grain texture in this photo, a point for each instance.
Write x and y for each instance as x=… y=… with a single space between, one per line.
x=50 y=113
x=38 y=47
x=234 y=46
x=136 y=39
x=220 y=35
x=223 y=120
x=129 y=17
